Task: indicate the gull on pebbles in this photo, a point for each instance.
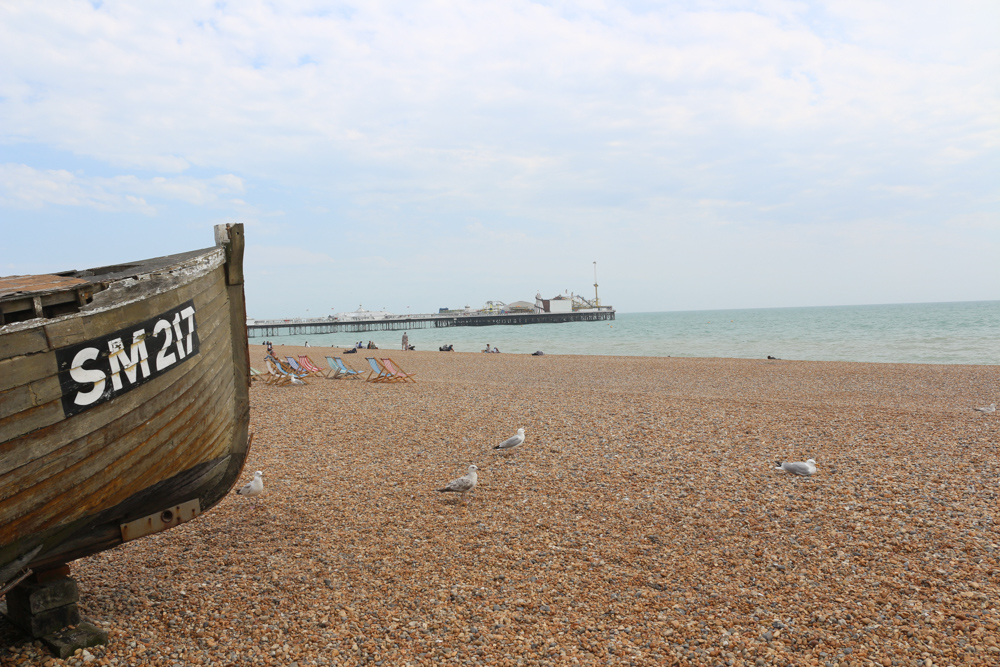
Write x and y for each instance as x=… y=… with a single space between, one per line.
x=512 y=442
x=807 y=468
x=253 y=488
x=992 y=407
x=463 y=484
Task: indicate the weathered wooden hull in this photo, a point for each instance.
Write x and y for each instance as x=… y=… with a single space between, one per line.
x=127 y=409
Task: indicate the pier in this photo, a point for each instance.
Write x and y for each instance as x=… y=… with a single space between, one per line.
x=292 y=327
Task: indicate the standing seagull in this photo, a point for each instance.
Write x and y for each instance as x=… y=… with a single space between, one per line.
x=798 y=468
x=463 y=484
x=512 y=442
x=253 y=488
x=992 y=408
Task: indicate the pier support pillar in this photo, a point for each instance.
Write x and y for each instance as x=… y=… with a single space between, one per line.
x=44 y=607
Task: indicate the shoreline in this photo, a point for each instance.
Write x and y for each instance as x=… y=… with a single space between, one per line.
x=641 y=521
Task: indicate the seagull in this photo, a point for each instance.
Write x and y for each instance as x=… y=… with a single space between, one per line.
x=253 y=488
x=463 y=484
x=512 y=442
x=992 y=408
x=798 y=468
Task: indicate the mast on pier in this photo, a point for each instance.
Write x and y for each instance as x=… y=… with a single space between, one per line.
x=597 y=301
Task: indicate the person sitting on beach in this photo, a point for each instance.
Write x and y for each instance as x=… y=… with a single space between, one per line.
x=487 y=348
x=495 y=350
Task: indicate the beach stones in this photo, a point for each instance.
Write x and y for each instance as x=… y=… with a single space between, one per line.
x=640 y=523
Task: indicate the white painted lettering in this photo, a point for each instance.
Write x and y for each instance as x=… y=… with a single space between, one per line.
x=180 y=337
x=164 y=358
x=84 y=376
x=188 y=313
x=129 y=363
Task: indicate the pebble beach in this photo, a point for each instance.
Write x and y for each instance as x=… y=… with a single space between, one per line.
x=641 y=522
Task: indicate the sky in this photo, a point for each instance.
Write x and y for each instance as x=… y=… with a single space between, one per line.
x=415 y=155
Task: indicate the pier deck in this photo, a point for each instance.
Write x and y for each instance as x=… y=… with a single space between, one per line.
x=310 y=327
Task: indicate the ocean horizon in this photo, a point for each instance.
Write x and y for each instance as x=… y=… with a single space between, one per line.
x=966 y=332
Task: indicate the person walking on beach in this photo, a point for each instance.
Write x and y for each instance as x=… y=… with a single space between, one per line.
x=406 y=342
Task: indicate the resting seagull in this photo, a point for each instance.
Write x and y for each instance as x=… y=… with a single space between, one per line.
x=253 y=488
x=798 y=468
x=991 y=408
x=463 y=484
x=511 y=443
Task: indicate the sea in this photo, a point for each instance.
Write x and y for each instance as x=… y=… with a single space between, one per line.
x=915 y=333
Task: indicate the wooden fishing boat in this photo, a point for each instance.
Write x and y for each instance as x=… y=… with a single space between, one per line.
x=124 y=405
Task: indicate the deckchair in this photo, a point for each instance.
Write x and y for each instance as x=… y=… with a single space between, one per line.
x=340 y=369
x=290 y=374
x=276 y=378
x=308 y=364
x=396 y=372
x=257 y=375
x=299 y=370
x=378 y=373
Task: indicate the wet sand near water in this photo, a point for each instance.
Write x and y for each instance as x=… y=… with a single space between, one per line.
x=640 y=523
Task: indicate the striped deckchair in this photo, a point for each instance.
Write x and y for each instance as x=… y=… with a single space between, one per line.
x=396 y=372
x=274 y=376
x=377 y=374
x=287 y=372
x=342 y=370
x=308 y=364
x=299 y=370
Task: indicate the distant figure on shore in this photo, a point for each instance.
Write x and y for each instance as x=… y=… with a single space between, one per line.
x=270 y=349
x=987 y=410
x=538 y=353
x=406 y=342
x=807 y=468
x=487 y=348
x=372 y=345
x=307 y=344
x=447 y=348
x=360 y=345
x=495 y=350
x=775 y=358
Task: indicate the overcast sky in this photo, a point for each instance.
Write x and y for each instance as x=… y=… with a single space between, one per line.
x=428 y=154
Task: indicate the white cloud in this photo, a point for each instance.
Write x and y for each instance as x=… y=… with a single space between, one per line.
x=22 y=186
x=584 y=127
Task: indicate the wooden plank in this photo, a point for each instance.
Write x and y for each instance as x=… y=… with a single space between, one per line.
x=40 y=446
x=20 y=371
x=81 y=328
x=19 y=343
x=199 y=418
x=209 y=323
x=32 y=446
x=13 y=286
x=147 y=444
x=109 y=469
x=106 y=484
x=31 y=419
